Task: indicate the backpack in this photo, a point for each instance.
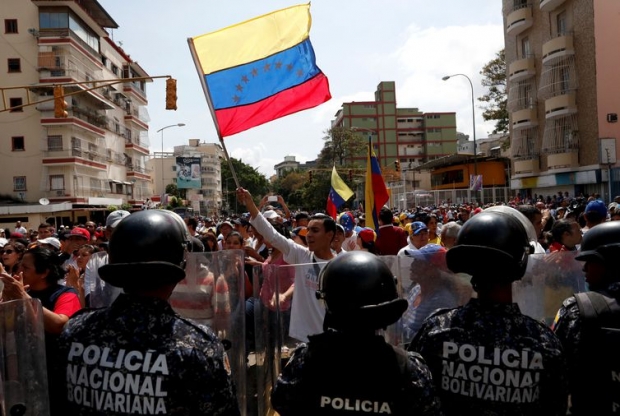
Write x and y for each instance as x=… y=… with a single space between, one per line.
x=600 y=343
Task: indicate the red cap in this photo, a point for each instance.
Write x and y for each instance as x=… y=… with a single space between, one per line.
x=80 y=232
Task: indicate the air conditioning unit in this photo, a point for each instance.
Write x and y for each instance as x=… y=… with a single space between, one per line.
x=60 y=193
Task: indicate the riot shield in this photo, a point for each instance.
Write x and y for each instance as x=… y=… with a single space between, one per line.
x=272 y=318
x=99 y=294
x=548 y=280
x=212 y=294
x=23 y=372
x=428 y=285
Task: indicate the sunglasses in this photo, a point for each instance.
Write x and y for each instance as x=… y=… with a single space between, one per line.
x=8 y=252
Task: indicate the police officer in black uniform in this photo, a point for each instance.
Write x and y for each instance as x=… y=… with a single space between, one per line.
x=138 y=356
x=486 y=357
x=588 y=325
x=350 y=369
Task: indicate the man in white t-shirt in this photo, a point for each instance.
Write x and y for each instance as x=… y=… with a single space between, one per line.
x=307 y=313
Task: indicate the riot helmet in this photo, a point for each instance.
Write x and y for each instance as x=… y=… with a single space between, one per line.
x=147 y=249
x=491 y=242
x=359 y=291
x=601 y=243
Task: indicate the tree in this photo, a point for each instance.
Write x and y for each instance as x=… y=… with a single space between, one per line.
x=495 y=100
x=290 y=187
x=341 y=144
x=249 y=178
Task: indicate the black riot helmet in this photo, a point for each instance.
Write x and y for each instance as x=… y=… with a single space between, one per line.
x=491 y=244
x=601 y=243
x=147 y=249
x=359 y=291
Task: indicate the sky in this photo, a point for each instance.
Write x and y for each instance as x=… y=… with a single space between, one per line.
x=358 y=44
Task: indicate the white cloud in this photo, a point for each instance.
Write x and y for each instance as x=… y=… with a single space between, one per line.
x=429 y=54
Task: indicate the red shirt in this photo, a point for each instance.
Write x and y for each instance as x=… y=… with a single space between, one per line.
x=390 y=240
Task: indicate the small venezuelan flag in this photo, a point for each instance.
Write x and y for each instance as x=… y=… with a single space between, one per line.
x=259 y=70
x=338 y=194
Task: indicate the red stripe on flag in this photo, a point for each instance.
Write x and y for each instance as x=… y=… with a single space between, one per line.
x=332 y=211
x=307 y=95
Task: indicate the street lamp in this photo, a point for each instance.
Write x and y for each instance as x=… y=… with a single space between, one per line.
x=473 y=114
x=163 y=187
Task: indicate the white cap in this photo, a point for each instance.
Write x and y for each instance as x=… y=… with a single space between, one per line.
x=270 y=214
x=52 y=241
x=115 y=217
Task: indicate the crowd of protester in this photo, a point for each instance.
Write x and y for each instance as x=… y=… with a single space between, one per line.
x=52 y=264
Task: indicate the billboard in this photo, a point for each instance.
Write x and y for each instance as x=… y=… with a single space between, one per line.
x=188 y=172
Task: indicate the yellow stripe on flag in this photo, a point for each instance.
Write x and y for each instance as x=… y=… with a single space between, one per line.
x=340 y=187
x=253 y=39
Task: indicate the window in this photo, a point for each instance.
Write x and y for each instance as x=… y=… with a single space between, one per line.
x=19 y=183
x=57 y=182
x=14 y=65
x=10 y=25
x=174 y=168
x=16 y=102
x=526 y=50
x=562 y=24
x=18 y=143
x=54 y=143
x=115 y=70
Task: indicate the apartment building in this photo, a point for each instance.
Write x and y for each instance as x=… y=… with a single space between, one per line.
x=95 y=155
x=405 y=134
x=206 y=200
x=563 y=95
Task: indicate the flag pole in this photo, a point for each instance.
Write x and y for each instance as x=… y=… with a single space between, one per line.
x=205 y=88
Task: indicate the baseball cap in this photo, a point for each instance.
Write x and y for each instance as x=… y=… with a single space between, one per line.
x=417 y=227
x=300 y=231
x=432 y=254
x=242 y=221
x=597 y=206
x=367 y=235
x=347 y=221
x=80 y=232
x=115 y=217
x=270 y=215
x=52 y=241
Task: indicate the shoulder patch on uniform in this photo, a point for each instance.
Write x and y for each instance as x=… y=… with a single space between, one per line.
x=226 y=362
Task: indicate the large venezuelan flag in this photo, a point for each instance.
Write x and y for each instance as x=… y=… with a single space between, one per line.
x=338 y=194
x=376 y=193
x=260 y=70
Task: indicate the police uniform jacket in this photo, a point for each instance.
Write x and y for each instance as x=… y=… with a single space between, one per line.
x=345 y=374
x=489 y=359
x=138 y=356
x=585 y=359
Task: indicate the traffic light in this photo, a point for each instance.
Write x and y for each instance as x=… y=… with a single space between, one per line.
x=350 y=176
x=397 y=165
x=60 y=105
x=309 y=176
x=171 y=94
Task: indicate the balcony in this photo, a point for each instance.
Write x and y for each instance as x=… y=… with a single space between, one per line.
x=560 y=106
x=563 y=160
x=557 y=48
x=519 y=20
x=524 y=119
x=561 y=142
x=521 y=69
x=526 y=167
x=550 y=5
x=71 y=157
x=134 y=144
